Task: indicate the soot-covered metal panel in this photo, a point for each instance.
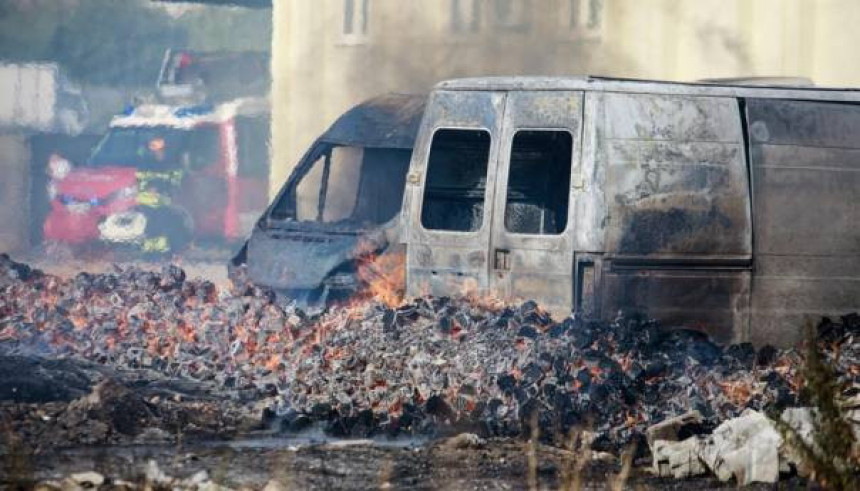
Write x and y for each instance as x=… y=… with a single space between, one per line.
x=388 y=121
x=676 y=179
x=805 y=161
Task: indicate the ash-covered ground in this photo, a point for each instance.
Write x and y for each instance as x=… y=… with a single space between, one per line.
x=135 y=357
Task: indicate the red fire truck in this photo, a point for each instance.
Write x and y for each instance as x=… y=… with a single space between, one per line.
x=166 y=175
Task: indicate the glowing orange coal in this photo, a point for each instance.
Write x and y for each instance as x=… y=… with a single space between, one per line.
x=738 y=392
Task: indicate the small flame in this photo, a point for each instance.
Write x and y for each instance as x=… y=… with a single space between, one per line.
x=383 y=275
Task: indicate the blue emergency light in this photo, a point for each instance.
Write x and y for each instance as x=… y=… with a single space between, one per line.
x=184 y=112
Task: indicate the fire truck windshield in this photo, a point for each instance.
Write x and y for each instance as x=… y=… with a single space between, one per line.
x=157 y=148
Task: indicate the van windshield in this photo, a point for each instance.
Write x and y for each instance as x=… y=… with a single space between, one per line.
x=157 y=148
x=346 y=185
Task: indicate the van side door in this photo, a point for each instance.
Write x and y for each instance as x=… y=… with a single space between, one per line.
x=451 y=187
x=532 y=229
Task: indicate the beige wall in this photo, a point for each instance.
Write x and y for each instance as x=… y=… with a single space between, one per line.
x=318 y=72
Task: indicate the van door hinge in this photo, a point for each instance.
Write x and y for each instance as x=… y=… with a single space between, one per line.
x=577 y=182
x=414 y=178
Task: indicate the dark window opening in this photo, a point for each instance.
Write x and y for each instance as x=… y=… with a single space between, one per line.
x=586 y=13
x=595 y=13
x=347 y=185
x=456 y=180
x=158 y=148
x=355 y=20
x=204 y=147
x=512 y=14
x=539 y=182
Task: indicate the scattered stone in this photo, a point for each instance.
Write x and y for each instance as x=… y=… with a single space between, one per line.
x=746 y=448
x=675 y=429
x=678 y=459
x=88 y=480
x=463 y=441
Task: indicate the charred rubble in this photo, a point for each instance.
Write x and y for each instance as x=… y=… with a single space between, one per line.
x=430 y=366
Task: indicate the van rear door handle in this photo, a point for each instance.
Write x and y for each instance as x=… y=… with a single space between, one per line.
x=502 y=259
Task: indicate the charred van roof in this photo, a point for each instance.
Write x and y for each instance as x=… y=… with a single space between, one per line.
x=608 y=84
x=388 y=121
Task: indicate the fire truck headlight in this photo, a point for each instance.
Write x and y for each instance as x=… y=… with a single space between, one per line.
x=59 y=168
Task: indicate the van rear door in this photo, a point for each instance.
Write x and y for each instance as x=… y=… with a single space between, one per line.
x=532 y=229
x=451 y=190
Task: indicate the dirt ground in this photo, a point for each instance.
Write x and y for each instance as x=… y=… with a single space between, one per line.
x=500 y=464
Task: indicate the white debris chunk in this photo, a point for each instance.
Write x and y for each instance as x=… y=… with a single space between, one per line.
x=668 y=429
x=154 y=474
x=464 y=441
x=746 y=448
x=88 y=480
x=801 y=420
x=678 y=459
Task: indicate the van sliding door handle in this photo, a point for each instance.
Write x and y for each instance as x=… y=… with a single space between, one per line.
x=502 y=260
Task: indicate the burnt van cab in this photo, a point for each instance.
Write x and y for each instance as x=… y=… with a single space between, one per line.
x=341 y=203
x=730 y=208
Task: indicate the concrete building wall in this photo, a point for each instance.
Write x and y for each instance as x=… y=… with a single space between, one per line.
x=323 y=64
x=14 y=192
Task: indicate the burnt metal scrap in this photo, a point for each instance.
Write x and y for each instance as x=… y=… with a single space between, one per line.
x=428 y=366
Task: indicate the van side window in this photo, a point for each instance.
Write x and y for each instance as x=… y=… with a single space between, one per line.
x=539 y=182
x=308 y=193
x=328 y=192
x=348 y=185
x=456 y=183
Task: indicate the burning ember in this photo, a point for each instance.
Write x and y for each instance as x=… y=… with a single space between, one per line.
x=391 y=366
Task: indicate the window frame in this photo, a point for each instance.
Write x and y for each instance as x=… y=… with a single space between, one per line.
x=484 y=220
x=523 y=24
x=577 y=21
x=360 y=22
x=471 y=26
x=508 y=153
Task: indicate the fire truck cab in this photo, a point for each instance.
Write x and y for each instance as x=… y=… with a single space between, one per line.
x=165 y=175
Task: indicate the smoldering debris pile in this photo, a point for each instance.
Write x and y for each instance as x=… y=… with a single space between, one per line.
x=424 y=367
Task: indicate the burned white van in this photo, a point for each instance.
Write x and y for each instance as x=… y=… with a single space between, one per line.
x=728 y=208
x=732 y=209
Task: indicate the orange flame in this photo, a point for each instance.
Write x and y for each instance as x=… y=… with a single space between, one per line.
x=383 y=275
